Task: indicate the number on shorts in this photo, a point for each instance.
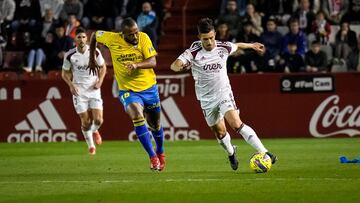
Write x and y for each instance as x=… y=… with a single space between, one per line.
x=125 y=95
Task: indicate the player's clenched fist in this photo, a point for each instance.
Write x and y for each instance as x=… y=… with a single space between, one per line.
x=259 y=48
x=131 y=66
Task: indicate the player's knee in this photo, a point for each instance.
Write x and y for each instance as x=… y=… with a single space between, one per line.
x=219 y=133
x=98 y=121
x=86 y=125
x=136 y=116
x=236 y=124
x=154 y=126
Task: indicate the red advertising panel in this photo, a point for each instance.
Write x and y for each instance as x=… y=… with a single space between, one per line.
x=42 y=110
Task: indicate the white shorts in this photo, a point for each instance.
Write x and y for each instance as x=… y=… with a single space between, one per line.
x=83 y=104
x=222 y=104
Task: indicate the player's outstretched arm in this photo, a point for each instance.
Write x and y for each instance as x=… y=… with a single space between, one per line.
x=102 y=73
x=67 y=77
x=145 y=64
x=178 y=66
x=93 y=67
x=258 y=47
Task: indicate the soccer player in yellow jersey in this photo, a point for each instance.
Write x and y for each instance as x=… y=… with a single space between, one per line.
x=133 y=58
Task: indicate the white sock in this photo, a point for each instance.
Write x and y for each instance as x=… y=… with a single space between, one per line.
x=89 y=138
x=225 y=142
x=251 y=138
x=94 y=127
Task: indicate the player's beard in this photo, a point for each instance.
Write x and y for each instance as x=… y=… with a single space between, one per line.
x=209 y=47
x=133 y=42
x=81 y=45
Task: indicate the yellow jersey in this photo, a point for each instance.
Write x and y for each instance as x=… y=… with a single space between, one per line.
x=123 y=53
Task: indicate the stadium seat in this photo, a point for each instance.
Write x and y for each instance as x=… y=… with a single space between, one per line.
x=32 y=76
x=54 y=75
x=283 y=29
x=328 y=50
x=13 y=60
x=355 y=28
x=334 y=30
x=8 y=75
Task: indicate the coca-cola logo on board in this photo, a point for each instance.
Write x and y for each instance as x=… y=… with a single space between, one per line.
x=328 y=115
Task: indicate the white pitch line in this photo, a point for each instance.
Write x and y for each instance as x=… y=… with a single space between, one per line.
x=181 y=180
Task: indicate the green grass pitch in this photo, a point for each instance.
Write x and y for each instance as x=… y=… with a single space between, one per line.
x=308 y=170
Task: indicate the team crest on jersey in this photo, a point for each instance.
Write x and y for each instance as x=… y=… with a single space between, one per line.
x=100 y=33
x=221 y=53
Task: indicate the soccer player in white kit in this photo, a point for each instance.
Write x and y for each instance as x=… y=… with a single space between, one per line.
x=207 y=60
x=85 y=88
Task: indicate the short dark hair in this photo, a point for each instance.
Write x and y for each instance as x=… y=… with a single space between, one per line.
x=80 y=30
x=205 y=25
x=293 y=20
x=292 y=42
x=127 y=22
x=271 y=19
x=315 y=42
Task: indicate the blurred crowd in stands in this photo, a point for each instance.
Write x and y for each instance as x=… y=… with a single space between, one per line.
x=35 y=34
x=299 y=35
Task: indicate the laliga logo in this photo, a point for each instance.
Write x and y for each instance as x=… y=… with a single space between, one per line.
x=331 y=114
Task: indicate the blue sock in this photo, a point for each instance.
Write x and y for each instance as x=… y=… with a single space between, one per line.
x=159 y=139
x=144 y=136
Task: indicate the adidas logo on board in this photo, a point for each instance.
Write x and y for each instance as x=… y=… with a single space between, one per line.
x=43 y=124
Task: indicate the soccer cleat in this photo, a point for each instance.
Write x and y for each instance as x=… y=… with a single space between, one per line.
x=97 y=137
x=162 y=160
x=273 y=157
x=154 y=163
x=92 y=150
x=233 y=160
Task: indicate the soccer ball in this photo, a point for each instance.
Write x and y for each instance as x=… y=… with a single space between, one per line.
x=260 y=162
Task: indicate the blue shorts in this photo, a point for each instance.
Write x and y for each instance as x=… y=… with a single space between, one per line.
x=148 y=98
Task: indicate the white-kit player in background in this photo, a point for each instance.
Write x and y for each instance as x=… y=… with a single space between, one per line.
x=207 y=60
x=85 y=88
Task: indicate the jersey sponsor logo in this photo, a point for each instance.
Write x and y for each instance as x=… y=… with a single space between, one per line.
x=82 y=68
x=213 y=67
x=174 y=123
x=128 y=57
x=42 y=125
x=329 y=115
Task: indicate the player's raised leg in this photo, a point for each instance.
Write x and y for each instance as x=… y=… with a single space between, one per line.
x=135 y=111
x=153 y=120
x=87 y=132
x=224 y=140
x=250 y=136
x=97 y=120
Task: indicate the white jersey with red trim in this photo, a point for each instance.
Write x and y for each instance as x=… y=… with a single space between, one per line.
x=78 y=62
x=209 y=70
